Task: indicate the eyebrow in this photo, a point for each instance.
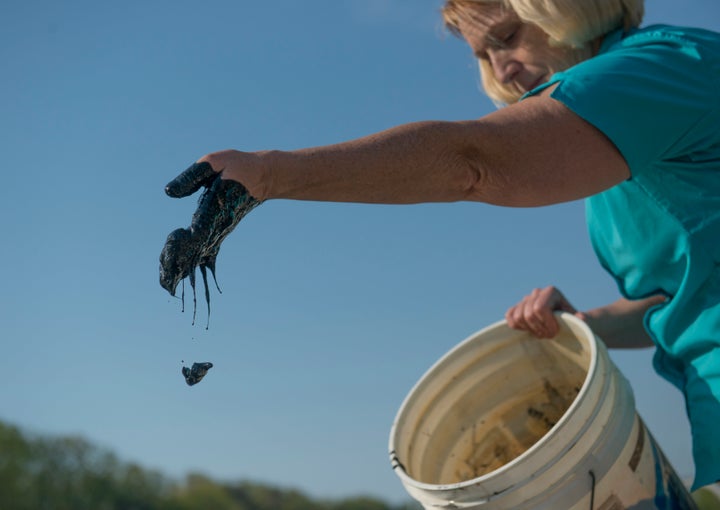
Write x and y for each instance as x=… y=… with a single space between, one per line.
x=491 y=40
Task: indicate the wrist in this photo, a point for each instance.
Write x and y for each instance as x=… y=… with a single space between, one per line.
x=260 y=183
x=251 y=169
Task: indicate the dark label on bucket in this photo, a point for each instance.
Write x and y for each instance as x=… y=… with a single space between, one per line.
x=639 y=445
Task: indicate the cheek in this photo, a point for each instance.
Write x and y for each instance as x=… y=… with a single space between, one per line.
x=563 y=58
x=552 y=58
x=557 y=59
x=541 y=54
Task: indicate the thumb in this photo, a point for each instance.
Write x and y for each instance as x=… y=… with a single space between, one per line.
x=564 y=305
x=581 y=315
x=191 y=180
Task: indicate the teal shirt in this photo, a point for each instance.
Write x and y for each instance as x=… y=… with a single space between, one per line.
x=655 y=93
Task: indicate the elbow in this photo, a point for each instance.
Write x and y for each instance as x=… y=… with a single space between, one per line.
x=470 y=174
x=479 y=182
x=473 y=186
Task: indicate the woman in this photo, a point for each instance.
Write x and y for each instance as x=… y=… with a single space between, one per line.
x=599 y=109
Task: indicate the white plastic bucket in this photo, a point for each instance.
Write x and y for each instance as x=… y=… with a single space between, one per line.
x=508 y=421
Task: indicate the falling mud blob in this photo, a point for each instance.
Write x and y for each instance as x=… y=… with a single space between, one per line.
x=195 y=374
x=220 y=208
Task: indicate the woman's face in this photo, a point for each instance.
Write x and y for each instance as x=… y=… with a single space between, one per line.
x=518 y=53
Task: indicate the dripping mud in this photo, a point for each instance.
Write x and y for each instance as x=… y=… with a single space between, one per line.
x=221 y=206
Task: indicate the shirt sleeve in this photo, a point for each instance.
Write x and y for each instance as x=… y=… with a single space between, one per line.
x=650 y=94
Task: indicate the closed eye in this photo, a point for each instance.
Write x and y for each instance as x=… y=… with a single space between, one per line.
x=509 y=38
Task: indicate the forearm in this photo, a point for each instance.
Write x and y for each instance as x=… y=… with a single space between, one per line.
x=620 y=324
x=418 y=162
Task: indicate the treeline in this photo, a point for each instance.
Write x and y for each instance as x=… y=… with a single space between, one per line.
x=69 y=473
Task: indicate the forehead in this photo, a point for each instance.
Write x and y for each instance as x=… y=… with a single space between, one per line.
x=476 y=20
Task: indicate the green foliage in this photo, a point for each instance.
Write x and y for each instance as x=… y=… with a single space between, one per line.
x=70 y=473
x=39 y=473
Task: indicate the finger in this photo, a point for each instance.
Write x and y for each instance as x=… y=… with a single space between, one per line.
x=551 y=300
x=526 y=313
x=523 y=320
x=582 y=316
x=535 y=318
x=518 y=316
x=558 y=300
x=513 y=317
x=196 y=176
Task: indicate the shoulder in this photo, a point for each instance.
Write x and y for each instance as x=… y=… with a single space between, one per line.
x=688 y=40
x=652 y=91
x=656 y=52
x=660 y=51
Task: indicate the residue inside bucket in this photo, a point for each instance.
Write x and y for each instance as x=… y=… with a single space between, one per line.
x=487 y=403
x=497 y=440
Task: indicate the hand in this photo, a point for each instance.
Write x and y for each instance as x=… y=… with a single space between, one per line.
x=221 y=206
x=242 y=167
x=534 y=313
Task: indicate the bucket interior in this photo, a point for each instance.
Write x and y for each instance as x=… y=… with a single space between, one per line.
x=487 y=402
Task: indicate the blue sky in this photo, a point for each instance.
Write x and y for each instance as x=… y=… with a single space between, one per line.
x=329 y=312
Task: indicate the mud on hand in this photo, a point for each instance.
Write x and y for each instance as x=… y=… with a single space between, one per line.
x=220 y=208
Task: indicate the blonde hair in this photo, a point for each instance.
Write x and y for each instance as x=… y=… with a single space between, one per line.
x=570 y=24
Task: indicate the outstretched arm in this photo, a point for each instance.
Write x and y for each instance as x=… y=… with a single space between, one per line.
x=535 y=152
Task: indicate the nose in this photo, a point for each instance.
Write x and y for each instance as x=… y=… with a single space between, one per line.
x=504 y=66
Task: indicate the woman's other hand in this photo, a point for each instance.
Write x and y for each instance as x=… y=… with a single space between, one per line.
x=534 y=313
